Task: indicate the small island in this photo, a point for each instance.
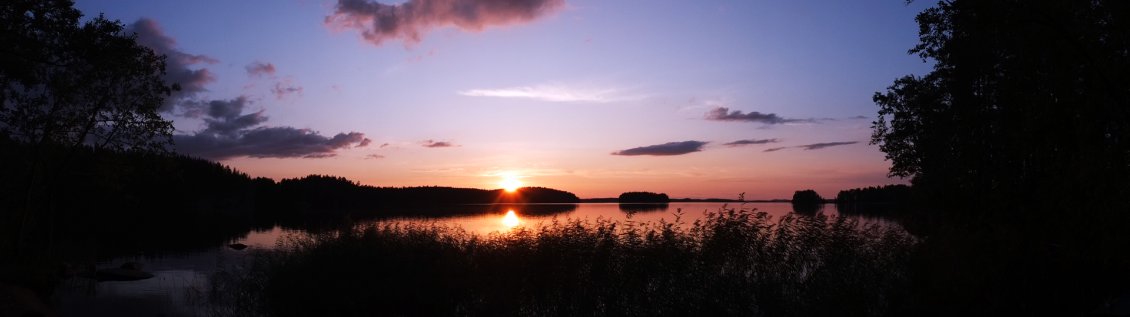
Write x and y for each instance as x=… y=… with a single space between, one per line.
x=643 y=197
x=807 y=201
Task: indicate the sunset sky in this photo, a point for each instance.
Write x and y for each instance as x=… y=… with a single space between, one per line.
x=690 y=98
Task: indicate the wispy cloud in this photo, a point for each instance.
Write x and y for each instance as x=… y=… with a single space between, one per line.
x=751 y=142
x=555 y=93
x=284 y=88
x=813 y=146
x=436 y=144
x=817 y=146
x=260 y=69
x=409 y=21
x=665 y=149
x=725 y=114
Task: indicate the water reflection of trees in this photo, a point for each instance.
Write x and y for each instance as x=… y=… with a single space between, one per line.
x=643 y=208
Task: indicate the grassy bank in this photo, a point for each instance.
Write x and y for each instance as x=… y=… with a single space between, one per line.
x=735 y=262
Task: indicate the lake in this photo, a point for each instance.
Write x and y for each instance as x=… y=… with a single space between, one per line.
x=181 y=280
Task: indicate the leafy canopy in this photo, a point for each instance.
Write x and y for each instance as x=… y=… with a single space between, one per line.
x=1027 y=99
x=77 y=84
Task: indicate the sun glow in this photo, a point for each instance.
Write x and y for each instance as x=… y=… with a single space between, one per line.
x=510 y=220
x=510 y=183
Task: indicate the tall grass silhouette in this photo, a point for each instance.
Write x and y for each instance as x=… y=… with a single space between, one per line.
x=736 y=261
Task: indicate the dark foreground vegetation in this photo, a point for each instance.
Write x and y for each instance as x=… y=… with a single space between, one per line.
x=888 y=201
x=1017 y=146
x=736 y=262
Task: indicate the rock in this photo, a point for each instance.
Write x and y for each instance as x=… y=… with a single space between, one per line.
x=237 y=246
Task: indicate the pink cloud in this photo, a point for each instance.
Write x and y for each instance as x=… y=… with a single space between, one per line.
x=408 y=21
x=437 y=144
x=259 y=69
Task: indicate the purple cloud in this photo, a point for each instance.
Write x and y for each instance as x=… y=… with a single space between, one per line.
x=229 y=133
x=435 y=144
x=284 y=88
x=751 y=142
x=725 y=114
x=262 y=142
x=177 y=71
x=260 y=69
x=665 y=149
x=813 y=146
x=817 y=146
x=408 y=21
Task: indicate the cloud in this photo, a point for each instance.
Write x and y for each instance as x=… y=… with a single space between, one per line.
x=725 y=114
x=260 y=69
x=365 y=142
x=408 y=21
x=435 y=144
x=751 y=142
x=230 y=133
x=555 y=93
x=665 y=149
x=813 y=146
x=817 y=146
x=285 y=88
x=177 y=71
x=262 y=142
x=374 y=156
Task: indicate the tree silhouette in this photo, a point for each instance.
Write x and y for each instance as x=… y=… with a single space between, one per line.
x=807 y=201
x=643 y=197
x=71 y=84
x=66 y=86
x=1026 y=99
x=1020 y=140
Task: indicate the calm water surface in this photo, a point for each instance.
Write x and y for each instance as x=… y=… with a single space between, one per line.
x=180 y=283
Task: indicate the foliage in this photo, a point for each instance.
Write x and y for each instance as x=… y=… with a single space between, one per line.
x=1019 y=138
x=887 y=200
x=735 y=262
x=1026 y=99
x=62 y=82
x=643 y=197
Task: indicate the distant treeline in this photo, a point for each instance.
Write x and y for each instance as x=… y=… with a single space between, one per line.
x=888 y=194
x=314 y=195
x=886 y=200
x=134 y=201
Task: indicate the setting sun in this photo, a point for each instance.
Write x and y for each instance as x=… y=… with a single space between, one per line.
x=510 y=220
x=510 y=183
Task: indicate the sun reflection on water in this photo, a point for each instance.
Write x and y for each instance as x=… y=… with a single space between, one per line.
x=510 y=220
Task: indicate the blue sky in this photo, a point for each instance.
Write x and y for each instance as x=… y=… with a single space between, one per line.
x=548 y=96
